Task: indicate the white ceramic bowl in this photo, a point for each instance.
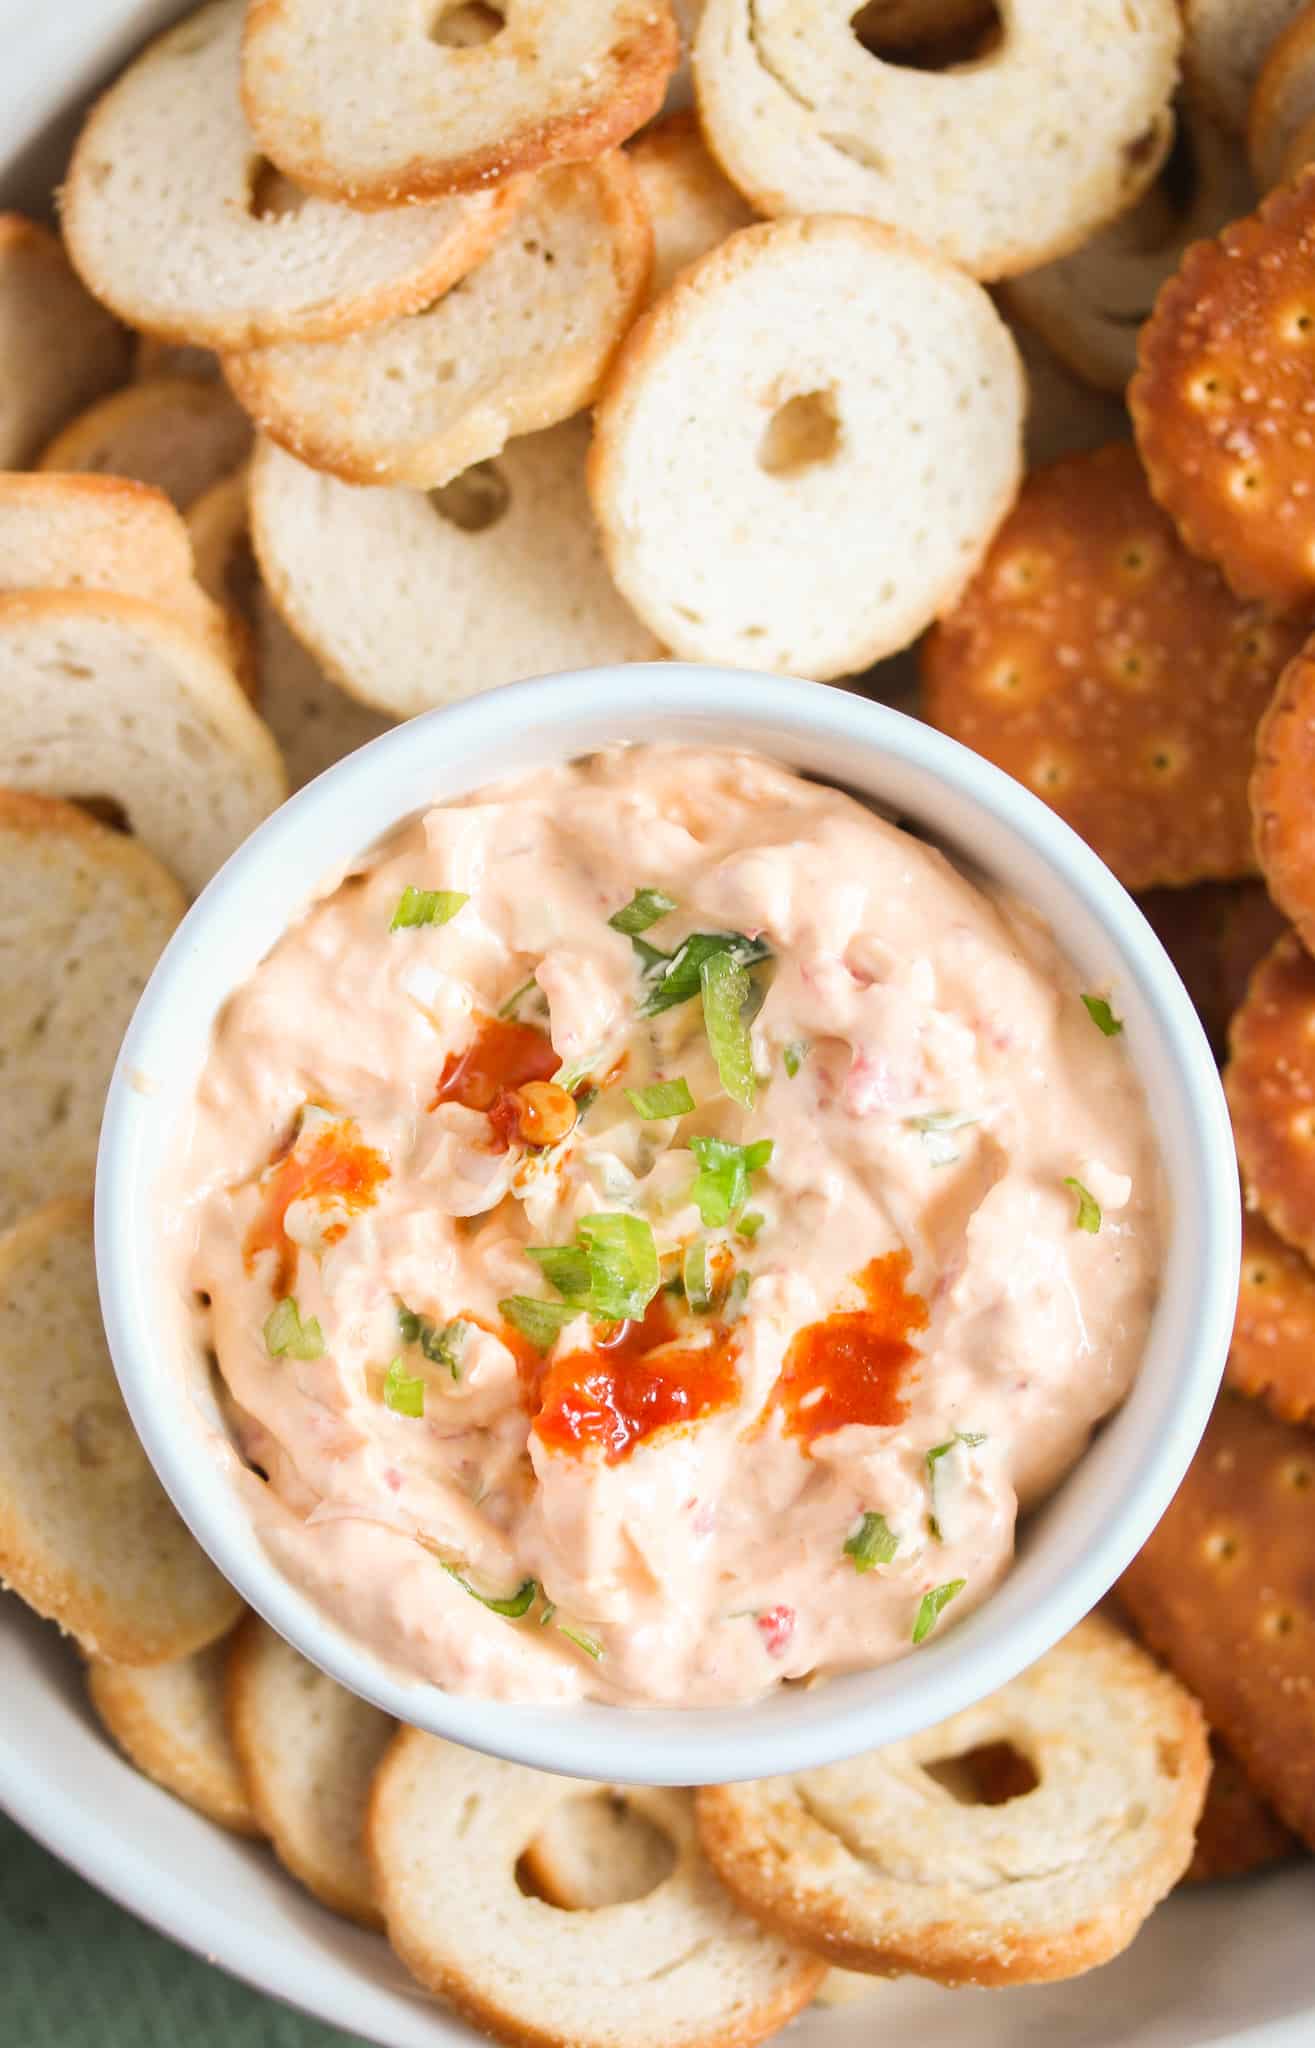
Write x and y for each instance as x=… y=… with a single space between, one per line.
x=1069 y=1553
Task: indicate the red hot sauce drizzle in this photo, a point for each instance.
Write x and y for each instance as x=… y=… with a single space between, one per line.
x=632 y=1382
x=336 y=1167
x=852 y=1366
x=502 y=1057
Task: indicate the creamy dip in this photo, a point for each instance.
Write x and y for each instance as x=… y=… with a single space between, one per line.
x=844 y=1204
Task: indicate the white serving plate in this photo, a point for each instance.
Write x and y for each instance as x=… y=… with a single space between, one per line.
x=1232 y=1966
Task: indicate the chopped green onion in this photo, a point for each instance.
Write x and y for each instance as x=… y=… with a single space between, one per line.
x=1102 y=1016
x=664 y=1098
x=1088 y=1216
x=582 y=1642
x=517 y=1603
x=571 y=1077
x=725 y=986
x=750 y=1224
x=541 y=1322
x=932 y=1130
x=650 y=958
x=624 y=1273
x=441 y=1347
x=682 y=976
x=426 y=906
x=513 y=1002
x=564 y=1266
x=404 y=1396
x=795 y=1054
x=970 y=1437
x=929 y=1608
x=645 y=907
x=546 y=1612
x=735 y=1300
x=872 y=1543
x=699 y=1277
x=286 y=1336
x=721 y=1186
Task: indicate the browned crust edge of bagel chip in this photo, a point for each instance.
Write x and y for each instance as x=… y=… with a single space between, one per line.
x=198 y=1767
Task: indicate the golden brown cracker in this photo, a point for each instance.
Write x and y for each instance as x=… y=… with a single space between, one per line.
x=1272 y=1355
x=1214 y=933
x=1282 y=782
x=1237 y=1832
x=1270 y=1082
x=1113 y=673
x=1224 y=1592
x=1223 y=402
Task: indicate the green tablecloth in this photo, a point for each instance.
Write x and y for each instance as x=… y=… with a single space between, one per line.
x=78 y=1972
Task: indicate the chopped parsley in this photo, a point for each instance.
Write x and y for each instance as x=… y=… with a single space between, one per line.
x=930 y=1606
x=1102 y=1016
x=286 y=1336
x=426 y=906
x=679 y=977
x=612 y=1271
x=404 y=1396
x=441 y=1347
x=540 y=1322
x=721 y=1186
x=514 y=1606
x=1088 y=1210
x=872 y=1543
x=645 y=907
x=662 y=1099
x=795 y=1054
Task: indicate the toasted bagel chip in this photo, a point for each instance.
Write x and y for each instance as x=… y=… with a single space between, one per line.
x=58 y=348
x=169 y=1721
x=516 y=346
x=1270 y=1083
x=85 y=912
x=1222 y=1592
x=691 y=202
x=599 y=1849
x=152 y=357
x=1284 y=97
x=447 y=1829
x=172 y=432
x=1223 y=402
x=308 y=1750
x=459 y=95
x=1282 y=783
x=1225 y=44
x=1299 y=152
x=1238 y=1833
x=1215 y=933
x=88 y=1536
x=1115 y=675
x=880 y=1865
x=1272 y=1355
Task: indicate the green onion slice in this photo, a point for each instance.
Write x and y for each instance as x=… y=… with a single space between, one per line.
x=517 y=1604
x=442 y=1347
x=971 y=1438
x=624 y=1272
x=795 y=1054
x=725 y=984
x=546 y=1612
x=932 y=1130
x=750 y=1224
x=426 y=906
x=1088 y=1212
x=664 y=1098
x=404 y=1396
x=565 y=1267
x=517 y=996
x=721 y=1186
x=698 y=1272
x=681 y=977
x=541 y=1322
x=645 y=907
x=583 y=1642
x=1102 y=1016
x=872 y=1543
x=286 y=1336
x=930 y=1606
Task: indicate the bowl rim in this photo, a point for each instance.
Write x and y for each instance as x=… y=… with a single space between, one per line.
x=345 y=811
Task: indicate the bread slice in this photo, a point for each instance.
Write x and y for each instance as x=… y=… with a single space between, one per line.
x=805 y=447
x=692 y=204
x=597 y=1850
x=58 y=348
x=152 y=357
x=105 y=696
x=878 y=1864
x=392 y=102
x=104 y=533
x=518 y=345
x=169 y=1721
x=177 y=434
x=308 y=1751
x=313 y=721
x=87 y=1534
x=1225 y=45
x=1283 y=100
x=409 y=599
x=998 y=165
x=1090 y=306
x=172 y=219
x=85 y=912
x=681 y=1968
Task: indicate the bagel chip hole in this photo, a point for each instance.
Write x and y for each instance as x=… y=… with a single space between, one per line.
x=800 y=434
x=991 y=1774
x=595 y=1850
x=978 y=35
x=107 y=810
x=475 y=500
x=466 y=25
x=271 y=196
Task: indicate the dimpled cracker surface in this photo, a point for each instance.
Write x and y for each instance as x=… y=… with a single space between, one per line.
x=1282 y=782
x=1270 y=1083
x=1115 y=675
x=1272 y=1354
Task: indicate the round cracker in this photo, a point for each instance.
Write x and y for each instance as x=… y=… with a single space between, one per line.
x=169 y=1721
x=1283 y=99
x=1225 y=44
x=313 y=722
x=174 y=433
x=104 y=696
x=85 y=912
x=1223 y=402
x=1281 y=783
x=1113 y=673
x=805 y=120
x=878 y=1865
x=1270 y=1084
x=1215 y=933
x=692 y=204
x=59 y=348
x=518 y=345
x=88 y=1536
x=1090 y=305
x=1272 y=1355
x=1238 y=1833
x=681 y=1968
x=172 y=219
x=809 y=377
x=308 y=1751
x=448 y=109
